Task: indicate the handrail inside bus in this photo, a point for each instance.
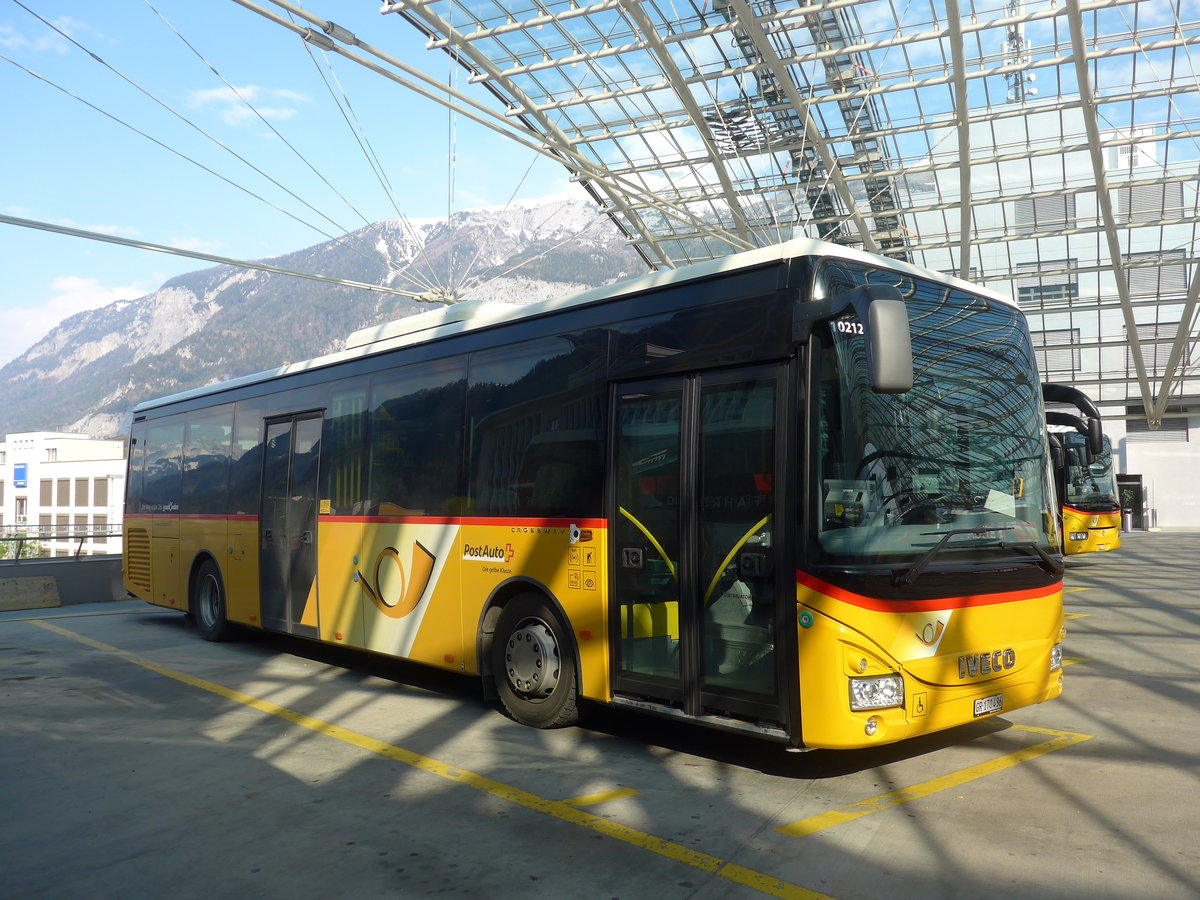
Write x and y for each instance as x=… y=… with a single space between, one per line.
x=657 y=546
x=730 y=555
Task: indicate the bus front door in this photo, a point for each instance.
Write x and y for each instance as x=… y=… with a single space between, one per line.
x=288 y=524
x=695 y=606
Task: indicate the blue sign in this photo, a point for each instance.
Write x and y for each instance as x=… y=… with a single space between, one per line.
x=20 y=475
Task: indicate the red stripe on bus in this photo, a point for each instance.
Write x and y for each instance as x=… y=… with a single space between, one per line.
x=1084 y=514
x=472 y=520
x=877 y=605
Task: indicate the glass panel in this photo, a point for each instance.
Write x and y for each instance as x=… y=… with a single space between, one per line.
x=536 y=412
x=416 y=440
x=648 y=533
x=958 y=462
x=345 y=434
x=275 y=557
x=736 y=507
x=206 y=461
x=1091 y=485
x=164 y=449
x=246 y=453
x=302 y=513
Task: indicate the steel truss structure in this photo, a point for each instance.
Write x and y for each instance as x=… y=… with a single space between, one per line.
x=1046 y=148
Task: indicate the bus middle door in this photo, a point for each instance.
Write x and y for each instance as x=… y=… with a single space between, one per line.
x=288 y=524
x=694 y=605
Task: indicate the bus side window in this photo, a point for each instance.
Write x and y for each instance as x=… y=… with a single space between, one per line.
x=206 y=461
x=162 y=480
x=246 y=459
x=344 y=436
x=416 y=439
x=536 y=411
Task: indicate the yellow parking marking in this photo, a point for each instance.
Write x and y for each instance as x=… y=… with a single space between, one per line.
x=1070 y=616
x=1075 y=590
x=1071 y=660
x=602 y=797
x=555 y=808
x=891 y=800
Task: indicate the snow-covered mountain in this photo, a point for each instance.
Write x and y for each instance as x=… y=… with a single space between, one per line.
x=219 y=323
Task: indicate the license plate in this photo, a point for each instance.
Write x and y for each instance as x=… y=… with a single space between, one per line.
x=985 y=706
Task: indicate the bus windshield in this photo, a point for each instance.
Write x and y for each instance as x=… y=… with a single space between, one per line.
x=959 y=462
x=1091 y=486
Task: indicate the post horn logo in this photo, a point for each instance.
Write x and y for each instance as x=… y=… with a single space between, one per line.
x=931 y=633
x=394 y=594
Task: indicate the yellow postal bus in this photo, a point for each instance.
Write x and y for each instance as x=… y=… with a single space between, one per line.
x=801 y=492
x=1084 y=477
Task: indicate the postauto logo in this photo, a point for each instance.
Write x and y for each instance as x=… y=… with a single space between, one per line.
x=484 y=553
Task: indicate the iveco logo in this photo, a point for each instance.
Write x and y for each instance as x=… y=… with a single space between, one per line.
x=986 y=663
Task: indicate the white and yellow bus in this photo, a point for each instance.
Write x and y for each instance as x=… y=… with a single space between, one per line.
x=801 y=492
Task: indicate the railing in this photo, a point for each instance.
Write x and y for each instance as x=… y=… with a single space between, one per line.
x=23 y=536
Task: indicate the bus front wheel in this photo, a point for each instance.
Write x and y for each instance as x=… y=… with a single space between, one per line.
x=533 y=662
x=207 y=603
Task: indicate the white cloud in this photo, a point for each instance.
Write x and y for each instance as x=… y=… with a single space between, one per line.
x=231 y=103
x=198 y=244
x=11 y=39
x=22 y=327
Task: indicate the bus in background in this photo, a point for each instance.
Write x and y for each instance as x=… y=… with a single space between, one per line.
x=802 y=493
x=1084 y=476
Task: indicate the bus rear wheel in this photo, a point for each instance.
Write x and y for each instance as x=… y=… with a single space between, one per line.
x=207 y=603
x=533 y=662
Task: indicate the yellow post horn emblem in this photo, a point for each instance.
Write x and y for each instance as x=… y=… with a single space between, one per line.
x=409 y=591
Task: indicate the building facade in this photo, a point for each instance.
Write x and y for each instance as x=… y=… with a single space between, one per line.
x=64 y=492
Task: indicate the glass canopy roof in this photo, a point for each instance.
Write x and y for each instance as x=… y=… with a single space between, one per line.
x=1046 y=148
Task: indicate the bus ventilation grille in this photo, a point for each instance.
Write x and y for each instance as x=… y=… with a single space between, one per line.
x=137 y=559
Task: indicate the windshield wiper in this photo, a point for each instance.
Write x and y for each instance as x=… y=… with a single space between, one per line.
x=907 y=579
x=1044 y=560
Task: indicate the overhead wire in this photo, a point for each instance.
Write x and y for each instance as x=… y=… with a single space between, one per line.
x=263 y=119
x=159 y=143
x=489 y=118
x=186 y=121
x=196 y=254
x=364 y=145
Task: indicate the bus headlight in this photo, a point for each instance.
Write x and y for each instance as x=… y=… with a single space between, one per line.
x=1079 y=535
x=1056 y=657
x=876 y=693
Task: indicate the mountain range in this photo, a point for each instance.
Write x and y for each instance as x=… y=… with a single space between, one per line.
x=89 y=372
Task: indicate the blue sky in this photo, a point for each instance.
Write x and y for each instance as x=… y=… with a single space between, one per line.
x=69 y=164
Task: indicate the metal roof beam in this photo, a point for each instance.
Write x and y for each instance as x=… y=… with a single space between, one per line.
x=1104 y=202
x=961 y=115
x=634 y=12
x=812 y=133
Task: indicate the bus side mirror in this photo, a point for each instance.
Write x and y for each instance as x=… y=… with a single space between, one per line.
x=889 y=344
x=1095 y=436
x=881 y=311
x=1057 y=456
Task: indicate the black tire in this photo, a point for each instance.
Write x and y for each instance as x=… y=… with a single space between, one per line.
x=207 y=603
x=533 y=664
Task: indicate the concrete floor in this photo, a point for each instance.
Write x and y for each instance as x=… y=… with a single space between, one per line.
x=137 y=760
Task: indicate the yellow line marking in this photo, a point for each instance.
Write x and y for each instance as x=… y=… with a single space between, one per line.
x=555 y=808
x=1070 y=616
x=73 y=615
x=836 y=817
x=1076 y=590
x=1071 y=660
x=601 y=797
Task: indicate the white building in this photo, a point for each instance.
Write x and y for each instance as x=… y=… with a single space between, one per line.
x=65 y=490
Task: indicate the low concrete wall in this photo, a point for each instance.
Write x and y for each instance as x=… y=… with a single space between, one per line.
x=60 y=581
